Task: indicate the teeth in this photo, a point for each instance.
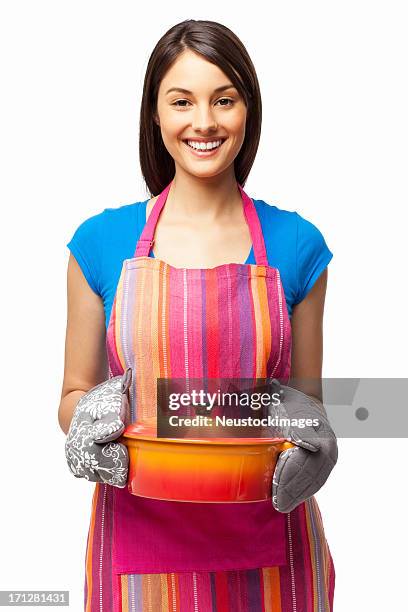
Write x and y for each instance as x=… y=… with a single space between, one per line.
x=203 y=146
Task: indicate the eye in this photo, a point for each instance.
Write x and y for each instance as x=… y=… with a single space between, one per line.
x=177 y=102
x=228 y=100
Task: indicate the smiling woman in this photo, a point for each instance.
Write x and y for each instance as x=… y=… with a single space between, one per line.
x=201 y=307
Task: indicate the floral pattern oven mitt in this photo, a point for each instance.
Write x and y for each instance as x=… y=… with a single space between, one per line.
x=99 y=419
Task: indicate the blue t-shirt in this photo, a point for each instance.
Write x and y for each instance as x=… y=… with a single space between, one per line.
x=294 y=245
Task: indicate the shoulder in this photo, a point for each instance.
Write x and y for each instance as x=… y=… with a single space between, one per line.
x=125 y=210
x=101 y=225
x=270 y=212
x=295 y=245
x=296 y=227
x=127 y=213
x=278 y=218
x=100 y=240
x=279 y=227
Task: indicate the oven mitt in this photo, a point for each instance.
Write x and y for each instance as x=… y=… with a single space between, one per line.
x=99 y=418
x=302 y=470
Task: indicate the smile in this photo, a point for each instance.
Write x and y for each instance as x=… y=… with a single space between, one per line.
x=200 y=149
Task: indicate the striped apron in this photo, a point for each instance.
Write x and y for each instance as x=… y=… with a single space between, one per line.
x=142 y=554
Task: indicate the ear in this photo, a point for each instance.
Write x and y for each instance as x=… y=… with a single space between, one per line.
x=156 y=119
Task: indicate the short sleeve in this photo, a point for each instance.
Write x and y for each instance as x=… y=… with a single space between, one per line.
x=312 y=256
x=85 y=245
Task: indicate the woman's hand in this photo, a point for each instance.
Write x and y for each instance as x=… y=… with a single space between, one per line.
x=99 y=418
x=302 y=470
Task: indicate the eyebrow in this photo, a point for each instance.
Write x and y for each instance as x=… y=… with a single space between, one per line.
x=187 y=91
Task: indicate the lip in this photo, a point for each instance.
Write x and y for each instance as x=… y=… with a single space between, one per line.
x=210 y=153
x=212 y=139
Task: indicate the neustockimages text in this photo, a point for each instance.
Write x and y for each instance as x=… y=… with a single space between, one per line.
x=205 y=421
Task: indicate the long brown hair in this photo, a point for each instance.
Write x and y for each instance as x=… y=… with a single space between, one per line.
x=219 y=45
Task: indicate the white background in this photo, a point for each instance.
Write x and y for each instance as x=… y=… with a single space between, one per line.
x=333 y=147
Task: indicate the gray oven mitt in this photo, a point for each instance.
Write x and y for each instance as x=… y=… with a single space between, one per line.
x=302 y=470
x=99 y=418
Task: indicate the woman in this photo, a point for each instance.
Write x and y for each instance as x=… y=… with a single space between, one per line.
x=200 y=91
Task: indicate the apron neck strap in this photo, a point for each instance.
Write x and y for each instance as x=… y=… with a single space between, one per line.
x=146 y=239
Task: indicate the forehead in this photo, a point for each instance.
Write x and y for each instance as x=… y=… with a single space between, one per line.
x=194 y=72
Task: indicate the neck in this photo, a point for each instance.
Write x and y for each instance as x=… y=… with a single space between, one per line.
x=207 y=199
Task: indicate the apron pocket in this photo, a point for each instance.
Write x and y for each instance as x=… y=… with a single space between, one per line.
x=155 y=536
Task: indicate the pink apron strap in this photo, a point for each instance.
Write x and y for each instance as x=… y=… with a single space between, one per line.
x=146 y=239
x=255 y=229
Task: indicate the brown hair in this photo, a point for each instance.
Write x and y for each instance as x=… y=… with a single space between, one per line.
x=220 y=46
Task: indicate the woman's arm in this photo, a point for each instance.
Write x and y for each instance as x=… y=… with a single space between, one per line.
x=302 y=470
x=307 y=341
x=85 y=354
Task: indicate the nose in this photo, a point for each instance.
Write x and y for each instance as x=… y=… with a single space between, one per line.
x=204 y=119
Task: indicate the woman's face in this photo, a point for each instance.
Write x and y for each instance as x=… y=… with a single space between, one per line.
x=200 y=114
